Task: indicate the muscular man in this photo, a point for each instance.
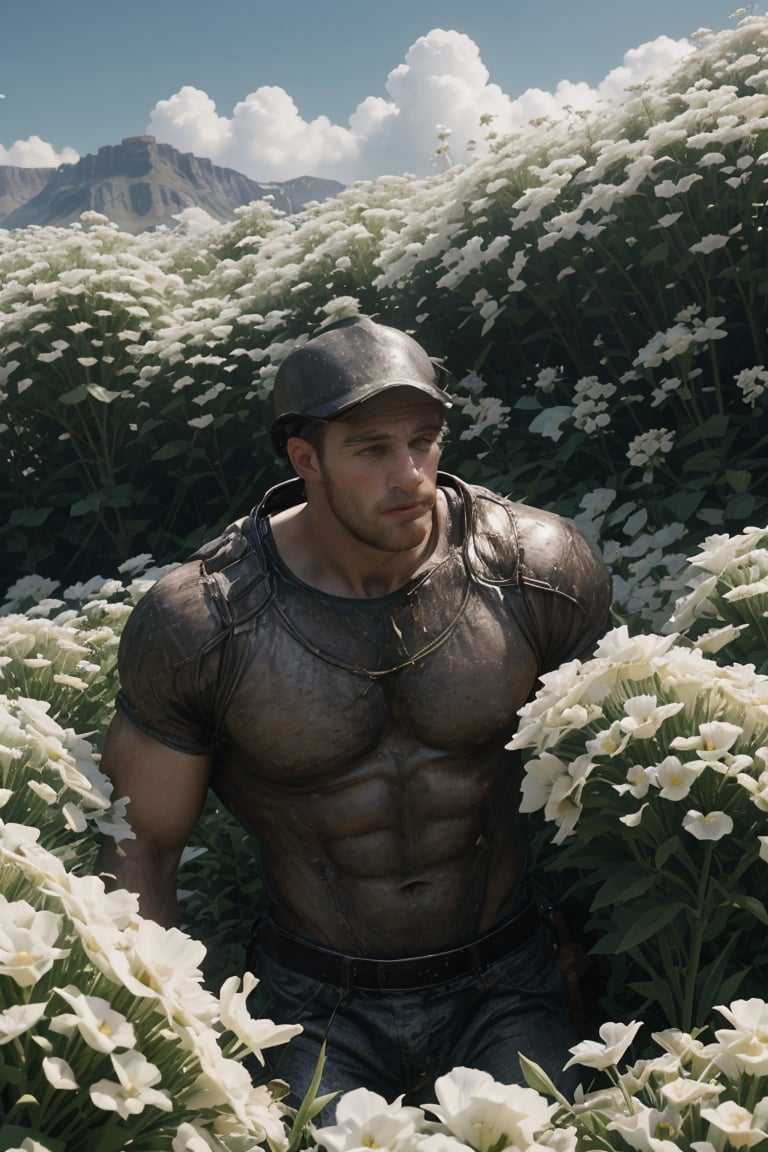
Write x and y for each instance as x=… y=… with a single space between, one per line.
x=344 y=668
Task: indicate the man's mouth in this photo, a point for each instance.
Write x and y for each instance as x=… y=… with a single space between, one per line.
x=408 y=510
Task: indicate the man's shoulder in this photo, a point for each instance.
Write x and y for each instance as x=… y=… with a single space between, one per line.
x=515 y=543
x=189 y=609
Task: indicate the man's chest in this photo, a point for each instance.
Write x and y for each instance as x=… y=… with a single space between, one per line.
x=324 y=689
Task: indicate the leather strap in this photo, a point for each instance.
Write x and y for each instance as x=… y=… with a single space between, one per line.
x=347 y=971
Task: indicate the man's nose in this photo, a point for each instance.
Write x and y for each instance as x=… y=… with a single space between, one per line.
x=406 y=470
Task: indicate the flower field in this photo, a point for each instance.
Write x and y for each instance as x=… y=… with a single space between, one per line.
x=598 y=288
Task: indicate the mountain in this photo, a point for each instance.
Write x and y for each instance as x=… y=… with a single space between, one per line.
x=18 y=185
x=139 y=185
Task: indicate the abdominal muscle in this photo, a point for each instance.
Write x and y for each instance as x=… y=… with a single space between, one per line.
x=409 y=851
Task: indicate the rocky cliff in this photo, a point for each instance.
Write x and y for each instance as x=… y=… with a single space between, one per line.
x=141 y=184
x=19 y=185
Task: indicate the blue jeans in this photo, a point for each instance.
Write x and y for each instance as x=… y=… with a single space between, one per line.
x=400 y=1042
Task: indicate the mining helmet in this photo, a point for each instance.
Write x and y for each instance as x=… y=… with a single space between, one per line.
x=347 y=363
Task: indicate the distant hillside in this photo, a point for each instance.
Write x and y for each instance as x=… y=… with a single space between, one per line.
x=19 y=185
x=141 y=184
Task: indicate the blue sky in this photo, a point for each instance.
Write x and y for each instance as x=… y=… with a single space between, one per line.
x=342 y=88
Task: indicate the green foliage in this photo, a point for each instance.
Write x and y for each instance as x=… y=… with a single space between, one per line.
x=596 y=285
x=221 y=891
x=598 y=288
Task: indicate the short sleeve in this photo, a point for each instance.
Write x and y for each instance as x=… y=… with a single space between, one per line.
x=168 y=663
x=567 y=588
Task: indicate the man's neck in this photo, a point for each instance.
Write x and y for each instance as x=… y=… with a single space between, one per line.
x=321 y=553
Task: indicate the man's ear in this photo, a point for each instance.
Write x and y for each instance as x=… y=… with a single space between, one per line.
x=304 y=459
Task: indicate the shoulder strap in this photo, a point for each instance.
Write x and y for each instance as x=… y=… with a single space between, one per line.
x=491 y=546
x=234 y=567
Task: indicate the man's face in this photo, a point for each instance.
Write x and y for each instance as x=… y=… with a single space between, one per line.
x=379 y=469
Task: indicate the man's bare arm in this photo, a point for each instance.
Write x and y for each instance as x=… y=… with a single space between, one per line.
x=167 y=790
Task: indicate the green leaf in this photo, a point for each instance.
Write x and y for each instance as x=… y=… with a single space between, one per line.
x=306 y=1109
x=624 y=885
x=657 y=992
x=75 y=396
x=108 y=1139
x=739 y=480
x=740 y=507
x=536 y=1078
x=12 y=1136
x=656 y=255
x=88 y=504
x=29 y=517
x=729 y=987
x=648 y=924
x=753 y=905
x=10 y=1075
x=684 y=503
x=168 y=451
x=714 y=428
x=665 y=851
x=714 y=516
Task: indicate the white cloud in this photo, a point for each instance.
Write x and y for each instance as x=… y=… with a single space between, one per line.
x=442 y=83
x=651 y=61
x=36 y=153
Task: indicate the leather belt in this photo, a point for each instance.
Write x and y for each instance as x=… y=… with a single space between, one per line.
x=346 y=971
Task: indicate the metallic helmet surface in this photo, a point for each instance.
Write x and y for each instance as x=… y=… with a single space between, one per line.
x=346 y=364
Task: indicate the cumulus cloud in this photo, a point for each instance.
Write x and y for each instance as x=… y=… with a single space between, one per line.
x=441 y=86
x=36 y=153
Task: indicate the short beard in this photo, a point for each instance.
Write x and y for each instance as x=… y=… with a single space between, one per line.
x=403 y=538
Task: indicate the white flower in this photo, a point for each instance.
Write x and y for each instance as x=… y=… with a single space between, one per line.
x=134 y=1089
x=709 y=826
x=137 y=563
x=649 y=447
x=254 y=1034
x=644 y=716
x=675 y=779
x=59 y=1073
x=640 y=1129
x=365 y=1120
x=609 y=742
x=639 y=780
x=633 y=819
x=616 y=1040
x=100 y=1026
x=709 y=329
x=27 y=942
x=541 y=774
x=684 y=1090
x=747 y=1040
x=715 y=739
x=709 y=243
x=19 y=1018
x=548 y=378
x=758 y=789
x=668 y=188
x=752 y=383
x=742 y=1128
x=188 y=1138
x=484 y=1114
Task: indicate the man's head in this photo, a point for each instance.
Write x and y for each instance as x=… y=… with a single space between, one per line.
x=347 y=364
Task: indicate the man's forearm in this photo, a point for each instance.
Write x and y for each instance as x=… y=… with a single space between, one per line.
x=142 y=873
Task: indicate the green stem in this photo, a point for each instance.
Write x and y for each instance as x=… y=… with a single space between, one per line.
x=698 y=929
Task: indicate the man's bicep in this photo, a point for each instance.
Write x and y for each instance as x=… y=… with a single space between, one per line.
x=166 y=788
